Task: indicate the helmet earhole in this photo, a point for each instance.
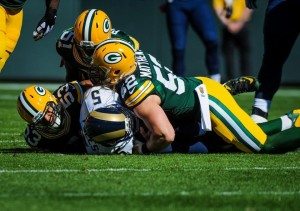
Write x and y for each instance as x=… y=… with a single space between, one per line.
x=117 y=72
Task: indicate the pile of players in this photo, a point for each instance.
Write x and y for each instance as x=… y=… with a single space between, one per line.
x=122 y=100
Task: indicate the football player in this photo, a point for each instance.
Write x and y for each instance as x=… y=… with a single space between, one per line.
x=76 y=44
x=53 y=118
x=11 y=17
x=54 y=126
x=163 y=100
x=108 y=127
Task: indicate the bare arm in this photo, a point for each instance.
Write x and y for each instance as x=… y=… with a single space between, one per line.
x=52 y=4
x=161 y=131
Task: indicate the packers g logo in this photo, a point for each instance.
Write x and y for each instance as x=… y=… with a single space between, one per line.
x=106 y=25
x=112 y=58
x=40 y=90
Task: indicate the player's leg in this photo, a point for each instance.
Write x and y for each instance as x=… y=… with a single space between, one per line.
x=283 y=141
x=285 y=122
x=177 y=27
x=202 y=20
x=2 y=35
x=230 y=121
x=228 y=49
x=13 y=30
x=281 y=29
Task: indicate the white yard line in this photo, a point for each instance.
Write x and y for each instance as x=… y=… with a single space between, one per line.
x=10 y=134
x=13 y=171
x=69 y=170
x=150 y=194
x=11 y=141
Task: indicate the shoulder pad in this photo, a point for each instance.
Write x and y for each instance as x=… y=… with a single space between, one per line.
x=69 y=93
x=122 y=35
x=134 y=91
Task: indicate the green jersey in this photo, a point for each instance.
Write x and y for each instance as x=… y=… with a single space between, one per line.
x=178 y=98
x=13 y=4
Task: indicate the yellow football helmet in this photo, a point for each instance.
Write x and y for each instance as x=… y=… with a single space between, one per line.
x=91 y=27
x=34 y=103
x=113 y=59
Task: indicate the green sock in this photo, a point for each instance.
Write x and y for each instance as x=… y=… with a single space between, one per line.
x=283 y=141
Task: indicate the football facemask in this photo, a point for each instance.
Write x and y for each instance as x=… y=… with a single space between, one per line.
x=51 y=119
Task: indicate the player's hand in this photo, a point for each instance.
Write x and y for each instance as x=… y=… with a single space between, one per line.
x=86 y=83
x=228 y=12
x=251 y=4
x=137 y=147
x=45 y=25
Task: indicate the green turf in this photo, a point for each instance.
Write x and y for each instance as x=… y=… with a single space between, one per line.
x=38 y=181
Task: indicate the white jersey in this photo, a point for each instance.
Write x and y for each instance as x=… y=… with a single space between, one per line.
x=100 y=97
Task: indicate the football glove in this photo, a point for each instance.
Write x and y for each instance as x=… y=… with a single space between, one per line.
x=45 y=25
x=251 y=4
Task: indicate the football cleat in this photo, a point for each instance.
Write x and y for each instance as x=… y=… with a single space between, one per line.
x=241 y=85
x=295 y=117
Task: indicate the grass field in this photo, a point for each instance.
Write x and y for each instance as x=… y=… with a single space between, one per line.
x=39 y=181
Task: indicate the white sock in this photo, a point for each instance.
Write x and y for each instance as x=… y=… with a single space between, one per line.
x=258 y=119
x=262 y=104
x=286 y=122
x=216 y=77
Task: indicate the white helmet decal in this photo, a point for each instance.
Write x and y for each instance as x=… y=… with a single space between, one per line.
x=40 y=90
x=106 y=25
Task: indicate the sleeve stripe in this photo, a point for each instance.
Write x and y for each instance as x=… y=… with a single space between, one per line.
x=78 y=90
x=139 y=94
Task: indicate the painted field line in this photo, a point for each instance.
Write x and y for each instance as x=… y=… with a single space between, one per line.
x=10 y=134
x=132 y=169
x=70 y=170
x=263 y=168
x=181 y=193
x=11 y=141
x=151 y=194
